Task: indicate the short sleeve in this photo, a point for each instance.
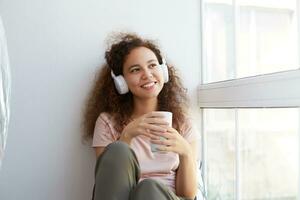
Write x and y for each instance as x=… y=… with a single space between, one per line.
x=104 y=133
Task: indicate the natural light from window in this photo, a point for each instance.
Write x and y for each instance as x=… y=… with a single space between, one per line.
x=260 y=37
x=249 y=99
x=268 y=148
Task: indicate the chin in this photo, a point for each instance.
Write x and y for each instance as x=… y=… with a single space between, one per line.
x=150 y=96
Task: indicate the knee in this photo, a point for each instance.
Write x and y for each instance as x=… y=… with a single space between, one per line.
x=147 y=184
x=117 y=151
x=119 y=148
x=117 y=155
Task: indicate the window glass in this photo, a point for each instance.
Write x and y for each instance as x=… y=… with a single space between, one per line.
x=265 y=41
x=220 y=153
x=268 y=150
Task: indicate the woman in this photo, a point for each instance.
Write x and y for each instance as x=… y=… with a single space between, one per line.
x=121 y=118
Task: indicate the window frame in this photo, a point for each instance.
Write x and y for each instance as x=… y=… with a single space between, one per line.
x=260 y=91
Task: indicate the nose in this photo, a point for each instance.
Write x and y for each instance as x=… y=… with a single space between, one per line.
x=147 y=74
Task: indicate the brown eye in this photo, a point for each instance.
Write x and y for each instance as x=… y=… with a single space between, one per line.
x=134 y=70
x=153 y=65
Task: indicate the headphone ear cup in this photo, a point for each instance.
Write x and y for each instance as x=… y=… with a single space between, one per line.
x=120 y=84
x=165 y=71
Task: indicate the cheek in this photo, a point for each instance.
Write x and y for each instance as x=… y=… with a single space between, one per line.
x=132 y=81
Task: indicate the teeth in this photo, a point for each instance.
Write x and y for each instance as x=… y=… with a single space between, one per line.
x=148 y=85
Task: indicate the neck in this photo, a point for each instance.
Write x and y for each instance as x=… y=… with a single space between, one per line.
x=142 y=106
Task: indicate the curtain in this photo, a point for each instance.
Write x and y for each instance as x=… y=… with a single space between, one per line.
x=5 y=85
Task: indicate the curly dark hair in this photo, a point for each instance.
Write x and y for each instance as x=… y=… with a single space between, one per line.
x=104 y=97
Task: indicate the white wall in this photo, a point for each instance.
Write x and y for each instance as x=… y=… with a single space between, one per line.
x=55 y=47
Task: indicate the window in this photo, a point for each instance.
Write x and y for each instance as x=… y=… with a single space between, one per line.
x=248 y=38
x=250 y=98
x=264 y=149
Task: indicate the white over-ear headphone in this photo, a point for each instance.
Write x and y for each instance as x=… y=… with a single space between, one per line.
x=121 y=84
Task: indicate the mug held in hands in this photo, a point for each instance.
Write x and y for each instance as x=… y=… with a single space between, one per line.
x=168 y=118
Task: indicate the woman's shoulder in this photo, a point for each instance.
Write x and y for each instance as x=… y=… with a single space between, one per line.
x=106 y=117
x=109 y=120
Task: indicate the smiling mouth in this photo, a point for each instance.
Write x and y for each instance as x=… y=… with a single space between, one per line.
x=149 y=85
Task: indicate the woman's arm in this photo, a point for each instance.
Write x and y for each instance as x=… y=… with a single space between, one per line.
x=150 y=121
x=186 y=176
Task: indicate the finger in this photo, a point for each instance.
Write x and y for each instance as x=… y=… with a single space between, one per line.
x=164 y=148
x=153 y=127
x=151 y=136
x=159 y=133
x=162 y=142
x=171 y=130
x=149 y=133
x=160 y=121
x=155 y=114
x=166 y=135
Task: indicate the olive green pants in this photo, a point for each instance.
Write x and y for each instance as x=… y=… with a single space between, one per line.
x=116 y=177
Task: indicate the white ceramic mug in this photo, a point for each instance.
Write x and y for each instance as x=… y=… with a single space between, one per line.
x=168 y=117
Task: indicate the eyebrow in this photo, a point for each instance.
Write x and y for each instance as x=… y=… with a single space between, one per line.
x=149 y=61
x=137 y=65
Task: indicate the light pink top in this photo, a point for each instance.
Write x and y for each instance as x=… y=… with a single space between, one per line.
x=158 y=166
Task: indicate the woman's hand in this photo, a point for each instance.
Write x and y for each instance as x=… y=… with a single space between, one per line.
x=174 y=142
x=145 y=125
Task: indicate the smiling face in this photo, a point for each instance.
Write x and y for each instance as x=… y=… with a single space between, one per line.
x=143 y=73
